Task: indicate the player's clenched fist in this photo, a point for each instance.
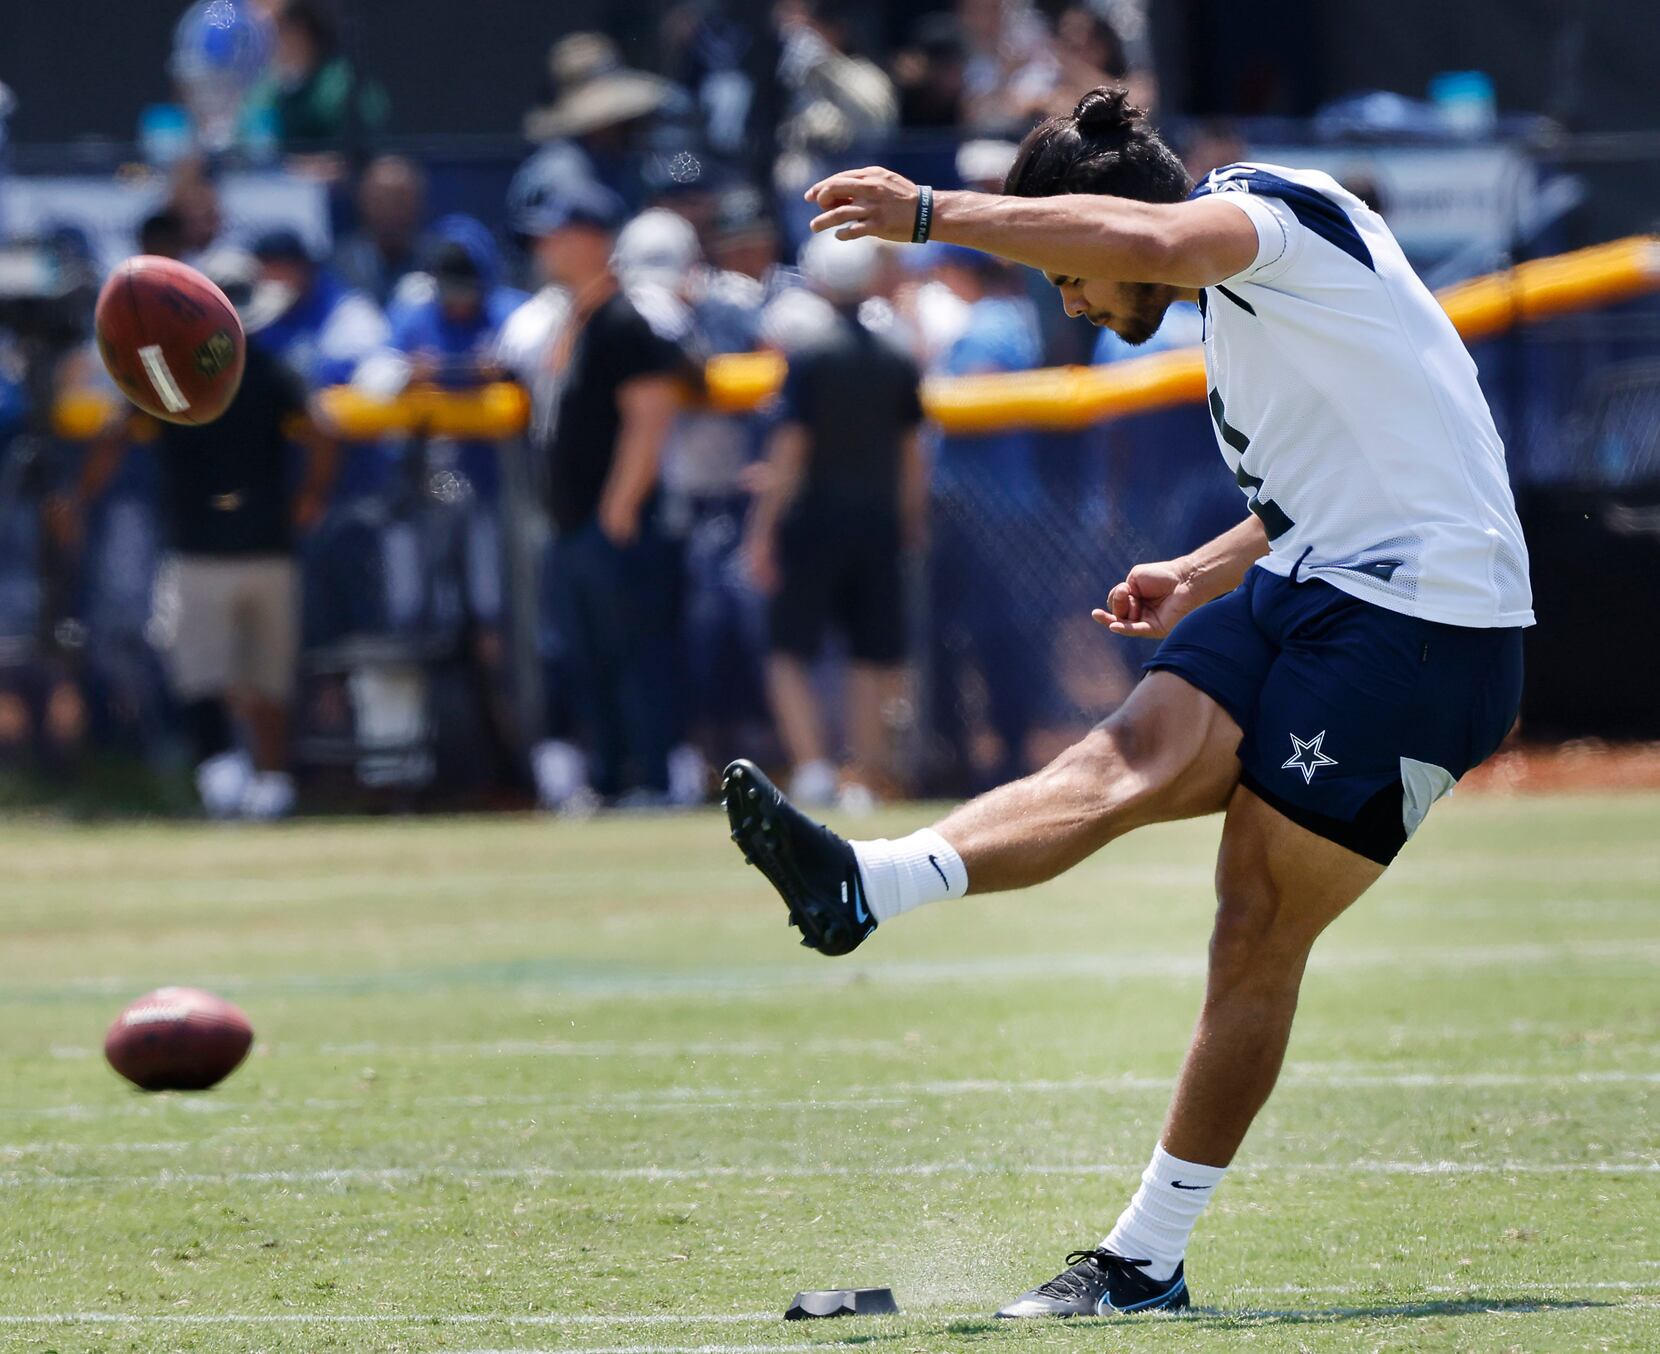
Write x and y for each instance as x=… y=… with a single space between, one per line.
x=872 y=201
x=1150 y=601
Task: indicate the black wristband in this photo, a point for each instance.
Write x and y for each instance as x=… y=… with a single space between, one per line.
x=924 y=214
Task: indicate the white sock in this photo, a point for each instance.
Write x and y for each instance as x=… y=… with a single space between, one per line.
x=1156 y=1225
x=899 y=875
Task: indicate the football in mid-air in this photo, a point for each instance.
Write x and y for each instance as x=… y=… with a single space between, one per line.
x=178 y=1039
x=171 y=339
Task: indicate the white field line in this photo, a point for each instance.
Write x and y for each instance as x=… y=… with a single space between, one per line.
x=655 y=1348
x=396 y=1175
x=1475 y=1290
x=575 y=1319
x=879 y=1096
x=14 y=1151
x=556 y=1048
x=728 y=982
x=614 y=1048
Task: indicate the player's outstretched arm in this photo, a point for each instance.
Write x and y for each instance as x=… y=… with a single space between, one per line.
x=1181 y=244
x=1149 y=602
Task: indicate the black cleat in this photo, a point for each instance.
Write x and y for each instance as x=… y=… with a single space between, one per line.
x=1100 y=1283
x=812 y=867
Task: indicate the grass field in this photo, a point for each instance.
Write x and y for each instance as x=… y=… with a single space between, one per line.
x=538 y=1085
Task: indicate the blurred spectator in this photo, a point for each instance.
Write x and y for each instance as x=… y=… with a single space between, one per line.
x=42 y=712
x=161 y=232
x=1210 y=145
x=842 y=499
x=931 y=72
x=988 y=503
x=837 y=96
x=592 y=92
x=716 y=57
x=1088 y=53
x=194 y=204
x=833 y=98
x=221 y=50
x=310 y=318
x=449 y=325
x=319 y=101
x=1012 y=69
x=704 y=496
x=449 y=336
x=227 y=604
x=592 y=124
x=983 y=164
x=607 y=390
x=743 y=240
x=387 y=244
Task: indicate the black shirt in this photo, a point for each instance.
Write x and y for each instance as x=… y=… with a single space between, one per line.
x=858 y=396
x=226 y=482
x=616 y=345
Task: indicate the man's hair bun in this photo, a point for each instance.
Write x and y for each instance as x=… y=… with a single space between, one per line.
x=1104 y=146
x=1106 y=111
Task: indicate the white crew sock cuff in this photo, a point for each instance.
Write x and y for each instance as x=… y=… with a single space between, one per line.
x=905 y=873
x=1165 y=1169
x=1160 y=1218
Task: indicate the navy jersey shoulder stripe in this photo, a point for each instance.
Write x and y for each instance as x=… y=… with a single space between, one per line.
x=1312 y=208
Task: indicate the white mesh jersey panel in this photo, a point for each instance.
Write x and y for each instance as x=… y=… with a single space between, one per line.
x=1348 y=409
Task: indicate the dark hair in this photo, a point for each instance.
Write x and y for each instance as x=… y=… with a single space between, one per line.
x=1103 y=146
x=161 y=232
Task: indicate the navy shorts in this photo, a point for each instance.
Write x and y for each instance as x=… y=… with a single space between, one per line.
x=1355 y=718
x=842 y=569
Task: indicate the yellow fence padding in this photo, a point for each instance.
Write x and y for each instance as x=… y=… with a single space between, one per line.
x=1055 y=398
x=500 y=409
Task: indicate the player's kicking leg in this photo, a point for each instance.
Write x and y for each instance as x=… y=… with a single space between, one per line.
x=1278 y=887
x=1167 y=753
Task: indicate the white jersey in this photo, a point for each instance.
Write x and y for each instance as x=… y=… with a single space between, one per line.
x=1347 y=407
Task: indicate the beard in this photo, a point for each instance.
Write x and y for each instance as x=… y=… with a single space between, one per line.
x=1141 y=319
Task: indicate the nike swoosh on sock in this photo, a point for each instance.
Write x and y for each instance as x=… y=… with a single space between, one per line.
x=934 y=861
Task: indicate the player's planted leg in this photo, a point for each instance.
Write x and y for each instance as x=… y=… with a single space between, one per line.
x=1102 y=1283
x=1278 y=887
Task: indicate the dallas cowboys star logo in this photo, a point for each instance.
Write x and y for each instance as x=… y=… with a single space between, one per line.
x=1307 y=756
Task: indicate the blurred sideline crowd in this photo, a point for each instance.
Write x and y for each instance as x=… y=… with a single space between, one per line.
x=276 y=599
x=599 y=613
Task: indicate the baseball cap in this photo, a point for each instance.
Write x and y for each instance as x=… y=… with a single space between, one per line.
x=657 y=246
x=842 y=270
x=585 y=203
x=280 y=244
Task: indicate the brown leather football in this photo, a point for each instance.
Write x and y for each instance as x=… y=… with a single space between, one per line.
x=178 y=1039
x=171 y=339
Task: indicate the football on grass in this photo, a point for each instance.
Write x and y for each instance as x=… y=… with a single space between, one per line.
x=178 y=1039
x=170 y=339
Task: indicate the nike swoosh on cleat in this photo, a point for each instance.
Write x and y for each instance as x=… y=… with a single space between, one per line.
x=1177 y=1184
x=1106 y=1305
x=860 y=915
x=941 y=873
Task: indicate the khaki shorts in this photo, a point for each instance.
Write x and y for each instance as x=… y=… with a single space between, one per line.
x=228 y=623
